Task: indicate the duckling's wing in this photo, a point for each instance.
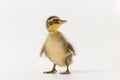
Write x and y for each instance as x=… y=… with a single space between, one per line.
x=42 y=50
x=69 y=48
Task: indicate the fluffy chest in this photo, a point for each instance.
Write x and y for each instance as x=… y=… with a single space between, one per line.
x=55 y=50
x=53 y=45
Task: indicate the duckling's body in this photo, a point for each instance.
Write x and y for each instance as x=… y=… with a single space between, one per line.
x=56 y=47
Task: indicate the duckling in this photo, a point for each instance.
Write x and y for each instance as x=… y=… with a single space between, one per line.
x=56 y=47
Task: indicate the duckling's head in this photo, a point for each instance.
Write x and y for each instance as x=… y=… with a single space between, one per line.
x=53 y=23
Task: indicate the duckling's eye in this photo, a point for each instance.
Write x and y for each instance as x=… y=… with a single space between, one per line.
x=56 y=21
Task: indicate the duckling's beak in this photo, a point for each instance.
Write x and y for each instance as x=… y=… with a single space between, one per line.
x=63 y=21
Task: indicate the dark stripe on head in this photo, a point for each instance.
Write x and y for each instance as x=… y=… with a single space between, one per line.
x=52 y=17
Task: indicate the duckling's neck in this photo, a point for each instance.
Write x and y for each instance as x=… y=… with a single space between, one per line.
x=53 y=31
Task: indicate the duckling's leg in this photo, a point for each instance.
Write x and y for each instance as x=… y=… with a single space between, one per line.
x=68 y=61
x=52 y=71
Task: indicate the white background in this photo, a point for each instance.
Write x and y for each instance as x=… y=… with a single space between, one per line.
x=93 y=28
